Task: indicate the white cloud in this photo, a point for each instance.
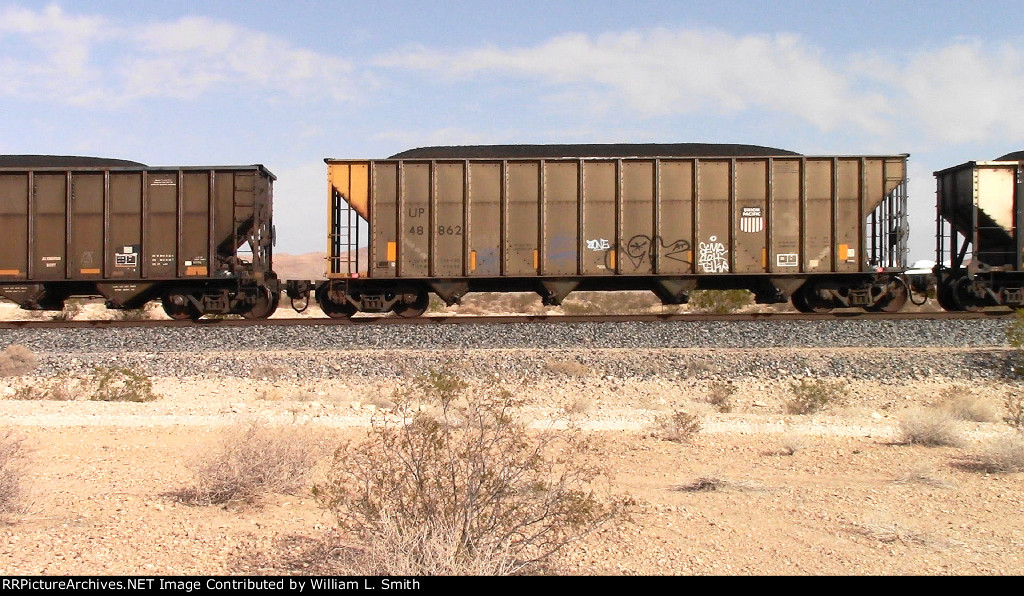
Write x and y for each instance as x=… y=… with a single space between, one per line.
x=55 y=49
x=966 y=92
x=87 y=60
x=189 y=56
x=661 y=72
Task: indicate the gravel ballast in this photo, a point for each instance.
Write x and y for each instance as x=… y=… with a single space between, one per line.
x=625 y=335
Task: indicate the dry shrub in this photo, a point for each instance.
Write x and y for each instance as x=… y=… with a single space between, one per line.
x=889 y=531
x=1003 y=454
x=626 y=302
x=143 y=313
x=720 y=396
x=61 y=388
x=252 y=460
x=435 y=305
x=400 y=549
x=922 y=474
x=962 y=403
x=268 y=372
x=17 y=360
x=464 y=487
x=568 y=368
x=716 y=483
x=12 y=471
x=680 y=427
x=485 y=303
x=580 y=307
x=72 y=308
x=932 y=427
x=581 y=406
x=704 y=484
x=102 y=384
x=812 y=395
x=1015 y=411
x=791 y=442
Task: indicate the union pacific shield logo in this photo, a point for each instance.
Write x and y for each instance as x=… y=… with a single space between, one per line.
x=751 y=220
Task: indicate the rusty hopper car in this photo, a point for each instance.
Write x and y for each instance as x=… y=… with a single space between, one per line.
x=196 y=238
x=979 y=234
x=824 y=232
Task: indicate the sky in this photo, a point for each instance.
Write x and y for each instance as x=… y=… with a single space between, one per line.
x=289 y=83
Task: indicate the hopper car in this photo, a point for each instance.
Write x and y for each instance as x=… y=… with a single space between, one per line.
x=821 y=231
x=979 y=234
x=198 y=239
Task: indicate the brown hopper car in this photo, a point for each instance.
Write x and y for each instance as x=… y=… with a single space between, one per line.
x=824 y=232
x=197 y=238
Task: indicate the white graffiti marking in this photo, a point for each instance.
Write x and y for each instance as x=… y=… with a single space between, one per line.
x=599 y=244
x=713 y=257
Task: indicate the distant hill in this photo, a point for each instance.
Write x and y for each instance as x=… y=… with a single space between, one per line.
x=307 y=266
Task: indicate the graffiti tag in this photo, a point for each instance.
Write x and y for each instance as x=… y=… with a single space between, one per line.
x=642 y=249
x=713 y=256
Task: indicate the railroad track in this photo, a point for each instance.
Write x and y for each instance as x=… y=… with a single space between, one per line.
x=506 y=319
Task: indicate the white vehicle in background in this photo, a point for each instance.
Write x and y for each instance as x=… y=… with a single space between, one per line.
x=921 y=275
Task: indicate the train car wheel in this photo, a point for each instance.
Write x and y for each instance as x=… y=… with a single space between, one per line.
x=806 y=300
x=417 y=308
x=800 y=302
x=963 y=297
x=337 y=311
x=265 y=305
x=944 y=295
x=894 y=301
x=180 y=312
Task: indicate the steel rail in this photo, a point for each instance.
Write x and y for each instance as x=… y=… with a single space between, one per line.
x=505 y=319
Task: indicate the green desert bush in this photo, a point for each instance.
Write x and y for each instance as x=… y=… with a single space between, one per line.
x=121 y=384
x=812 y=395
x=462 y=487
x=719 y=301
x=720 y=396
x=678 y=427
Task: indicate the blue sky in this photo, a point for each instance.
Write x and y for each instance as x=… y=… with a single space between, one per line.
x=286 y=84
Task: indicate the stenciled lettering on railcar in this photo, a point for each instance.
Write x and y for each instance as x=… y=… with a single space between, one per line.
x=127 y=257
x=712 y=256
x=751 y=220
x=786 y=260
